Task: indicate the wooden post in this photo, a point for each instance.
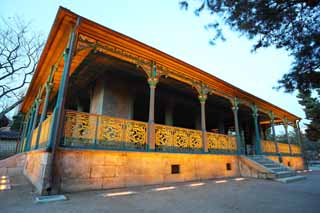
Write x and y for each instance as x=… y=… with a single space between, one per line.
x=285 y=125
x=271 y=115
x=256 y=128
x=235 y=108
x=44 y=109
x=152 y=81
x=30 y=124
x=202 y=98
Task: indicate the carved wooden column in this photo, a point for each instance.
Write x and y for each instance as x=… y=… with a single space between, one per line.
x=235 y=108
x=45 y=106
x=285 y=125
x=271 y=115
x=256 y=128
x=29 y=126
x=152 y=81
x=202 y=98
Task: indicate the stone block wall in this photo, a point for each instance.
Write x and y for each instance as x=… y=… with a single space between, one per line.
x=96 y=169
x=296 y=163
x=13 y=165
x=36 y=168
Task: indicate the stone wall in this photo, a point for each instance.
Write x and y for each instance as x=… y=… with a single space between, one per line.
x=36 y=168
x=98 y=169
x=296 y=163
x=13 y=165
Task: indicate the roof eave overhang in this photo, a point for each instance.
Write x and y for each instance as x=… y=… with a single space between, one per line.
x=57 y=42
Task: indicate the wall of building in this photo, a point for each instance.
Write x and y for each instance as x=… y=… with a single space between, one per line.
x=7 y=148
x=112 y=96
x=296 y=163
x=98 y=169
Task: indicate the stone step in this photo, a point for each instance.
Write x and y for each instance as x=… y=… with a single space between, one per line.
x=279 y=169
x=284 y=174
x=290 y=179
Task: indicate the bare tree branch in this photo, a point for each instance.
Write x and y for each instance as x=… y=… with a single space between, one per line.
x=19 y=53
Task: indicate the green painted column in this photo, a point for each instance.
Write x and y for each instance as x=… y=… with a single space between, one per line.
x=285 y=125
x=29 y=133
x=202 y=98
x=235 y=108
x=152 y=81
x=44 y=111
x=23 y=134
x=271 y=115
x=58 y=112
x=256 y=128
x=35 y=117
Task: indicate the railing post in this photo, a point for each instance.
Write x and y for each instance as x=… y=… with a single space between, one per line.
x=256 y=128
x=235 y=108
x=152 y=81
x=271 y=115
x=49 y=85
x=202 y=98
x=285 y=125
x=96 y=131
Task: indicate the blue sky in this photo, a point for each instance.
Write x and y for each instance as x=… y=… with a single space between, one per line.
x=161 y=24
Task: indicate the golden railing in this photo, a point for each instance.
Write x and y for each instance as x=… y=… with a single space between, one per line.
x=169 y=138
x=221 y=143
x=44 y=135
x=284 y=148
x=295 y=149
x=103 y=131
x=268 y=146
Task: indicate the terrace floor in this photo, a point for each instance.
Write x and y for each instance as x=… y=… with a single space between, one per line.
x=229 y=195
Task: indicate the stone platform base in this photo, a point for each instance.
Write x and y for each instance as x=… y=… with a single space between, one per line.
x=87 y=170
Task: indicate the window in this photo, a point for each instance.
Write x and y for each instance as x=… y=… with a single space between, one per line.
x=228 y=166
x=175 y=169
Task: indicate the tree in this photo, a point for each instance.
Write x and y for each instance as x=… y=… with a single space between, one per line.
x=312 y=110
x=292 y=25
x=20 y=48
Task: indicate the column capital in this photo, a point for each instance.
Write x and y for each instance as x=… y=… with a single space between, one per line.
x=255 y=110
x=271 y=116
x=235 y=103
x=152 y=81
x=49 y=86
x=202 y=98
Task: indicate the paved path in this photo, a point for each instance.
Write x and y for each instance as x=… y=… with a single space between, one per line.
x=249 y=195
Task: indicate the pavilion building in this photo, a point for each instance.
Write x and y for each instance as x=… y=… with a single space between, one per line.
x=104 y=111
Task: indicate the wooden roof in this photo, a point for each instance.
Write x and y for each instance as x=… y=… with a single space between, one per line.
x=58 y=38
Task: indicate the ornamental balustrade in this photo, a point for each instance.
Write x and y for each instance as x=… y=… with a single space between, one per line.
x=175 y=139
x=219 y=143
x=295 y=149
x=84 y=129
x=105 y=132
x=284 y=148
x=268 y=147
x=44 y=134
x=99 y=131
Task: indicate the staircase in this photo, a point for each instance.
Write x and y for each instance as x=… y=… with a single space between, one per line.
x=272 y=170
